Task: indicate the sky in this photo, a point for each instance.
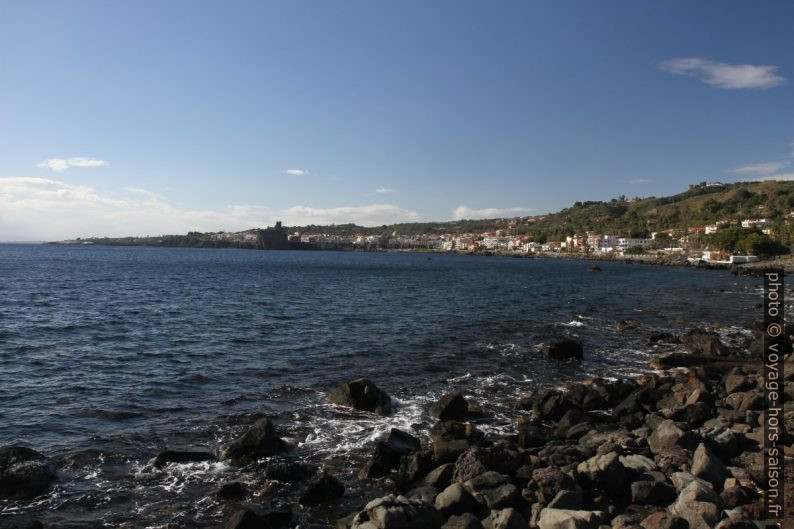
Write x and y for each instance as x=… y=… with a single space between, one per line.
x=148 y=117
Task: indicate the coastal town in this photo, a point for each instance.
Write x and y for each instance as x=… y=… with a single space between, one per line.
x=692 y=242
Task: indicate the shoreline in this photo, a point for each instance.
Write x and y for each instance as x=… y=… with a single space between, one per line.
x=553 y=460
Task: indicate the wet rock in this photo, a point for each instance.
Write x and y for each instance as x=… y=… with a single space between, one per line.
x=505 y=519
x=627 y=325
x=551 y=406
x=24 y=473
x=606 y=472
x=397 y=512
x=20 y=522
x=451 y=406
x=464 y=521
x=493 y=490
x=707 y=466
x=414 y=466
x=289 y=471
x=699 y=505
x=652 y=493
x=658 y=337
x=245 y=519
x=258 y=442
x=702 y=342
x=568 y=519
x=450 y=439
x=387 y=454
x=321 y=489
x=175 y=456
x=454 y=500
x=563 y=348
x=361 y=394
x=231 y=491
x=694 y=414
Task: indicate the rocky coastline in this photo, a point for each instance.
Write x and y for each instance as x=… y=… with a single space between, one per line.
x=679 y=448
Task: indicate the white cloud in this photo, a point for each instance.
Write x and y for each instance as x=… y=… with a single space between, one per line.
x=60 y=165
x=777 y=176
x=48 y=209
x=296 y=172
x=722 y=75
x=384 y=190
x=639 y=181
x=371 y=215
x=464 y=212
x=759 y=168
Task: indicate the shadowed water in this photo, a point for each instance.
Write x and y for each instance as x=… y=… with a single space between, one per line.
x=108 y=355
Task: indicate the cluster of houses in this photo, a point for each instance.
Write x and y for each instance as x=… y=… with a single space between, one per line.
x=502 y=241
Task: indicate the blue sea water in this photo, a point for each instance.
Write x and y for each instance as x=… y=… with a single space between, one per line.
x=111 y=354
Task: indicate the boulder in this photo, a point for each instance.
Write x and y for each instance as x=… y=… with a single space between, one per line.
x=567 y=499
x=426 y=493
x=321 y=489
x=454 y=500
x=176 y=456
x=233 y=490
x=289 y=471
x=707 y=466
x=703 y=342
x=505 y=519
x=568 y=519
x=464 y=521
x=258 y=442
x=441 y=476
x=606 y=472
x=636 y=464
x=451 y=406
x=493 y=490
x=245 y=519
x=563 y=348
x=397 y=512
x=20 y=522
x=667 y=435
x=450 y=439
x=24 y=473
x=737 y=382
x=361 y=394
x=478 y=460
x=699 y=505
x=664 y=520
x=387 y=454
x=549 y=481
x=652 y=493
x=414 y=466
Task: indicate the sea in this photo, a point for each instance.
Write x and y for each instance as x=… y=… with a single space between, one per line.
x=110 y=355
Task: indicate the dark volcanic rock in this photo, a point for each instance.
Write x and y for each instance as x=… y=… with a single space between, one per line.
x=388 y=454
x=454 y=500
x=606 y=472
x=231 y=491
x=289 y=471
x=24 y=473
x=397 y=512
x=464 y=521
x=652 y=493
x=563 y=348
x=493 y=490
x=505 y=519
x=451 y=406
x=549 y=481
x=259 y=441
x=707 y=466
x=245 y=519
x=450 y=439
x=175 y=456
x=532 y=435
x=361 y=394
x=322 y=488
x=20 y=522
x=702 y=342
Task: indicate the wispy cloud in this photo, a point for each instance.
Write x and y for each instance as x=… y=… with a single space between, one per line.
x=722 y=75
x=759 y=168
x=296 y=172
x=60 y=165
x=465 y=212
x=776 y=176
x=28 y=205
x=639 y=181
x=384 y=190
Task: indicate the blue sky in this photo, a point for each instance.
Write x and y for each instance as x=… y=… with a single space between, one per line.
x=149 y=117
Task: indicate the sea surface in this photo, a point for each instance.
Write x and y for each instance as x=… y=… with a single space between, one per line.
x=109 y=355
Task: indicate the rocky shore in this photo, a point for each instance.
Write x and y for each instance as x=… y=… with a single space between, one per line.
x=677 y=449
